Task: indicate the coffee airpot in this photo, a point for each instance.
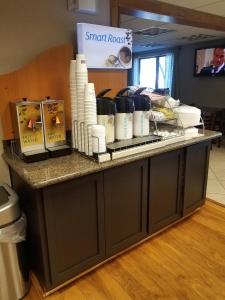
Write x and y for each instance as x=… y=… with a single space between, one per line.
x=141 y=114
x=124 y=115
x=106 y=110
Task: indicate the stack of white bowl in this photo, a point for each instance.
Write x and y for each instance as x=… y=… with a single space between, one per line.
x=81 y=81
x=73 y=97
x=98 y=139
x=188 y=116
x=90 y=115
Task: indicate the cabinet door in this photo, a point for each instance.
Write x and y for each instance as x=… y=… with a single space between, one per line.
x=196 y=173
x=125 y=190
x=74 y=213
x=165 y=189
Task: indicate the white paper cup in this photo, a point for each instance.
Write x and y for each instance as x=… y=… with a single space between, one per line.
x=74 y=134
x=73 y=69
x=89 y=93
x=88 y=139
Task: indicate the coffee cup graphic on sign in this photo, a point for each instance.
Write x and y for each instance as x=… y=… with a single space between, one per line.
x=125 y=56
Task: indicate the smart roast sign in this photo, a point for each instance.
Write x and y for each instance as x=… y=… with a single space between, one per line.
x=105 y=47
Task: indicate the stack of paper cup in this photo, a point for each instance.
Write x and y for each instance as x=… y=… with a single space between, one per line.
x=81 y=81
x=73 y=97
x=98 y=139
x=90 y=115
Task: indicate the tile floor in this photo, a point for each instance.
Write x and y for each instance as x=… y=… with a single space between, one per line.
x=216 y=176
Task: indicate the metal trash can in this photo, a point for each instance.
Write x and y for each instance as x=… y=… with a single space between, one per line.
x=14 y=272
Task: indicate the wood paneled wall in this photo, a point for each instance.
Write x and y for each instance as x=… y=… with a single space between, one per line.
x=112 y=79
x=48 y=75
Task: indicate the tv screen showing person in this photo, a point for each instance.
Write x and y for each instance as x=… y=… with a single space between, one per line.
x=211 y=62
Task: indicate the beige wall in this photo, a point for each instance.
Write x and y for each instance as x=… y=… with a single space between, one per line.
x=28 y=27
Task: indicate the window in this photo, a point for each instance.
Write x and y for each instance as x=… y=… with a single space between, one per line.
x=156 y=72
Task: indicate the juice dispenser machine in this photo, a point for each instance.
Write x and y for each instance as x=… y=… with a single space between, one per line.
x=28 y=130
x=54 y=127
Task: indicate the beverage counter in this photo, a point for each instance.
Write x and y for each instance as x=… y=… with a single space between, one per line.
x=56 y=170
x=81 y=213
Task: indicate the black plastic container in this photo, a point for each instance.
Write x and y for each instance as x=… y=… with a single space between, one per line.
x=105 y=107
x=141 y=102
x=124 y=104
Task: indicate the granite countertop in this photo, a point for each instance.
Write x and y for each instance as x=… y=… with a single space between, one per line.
x=56 y=170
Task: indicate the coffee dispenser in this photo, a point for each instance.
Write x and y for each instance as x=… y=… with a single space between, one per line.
x=28 y=130
x=106 y=110
x=124 y=115
x=141 y=114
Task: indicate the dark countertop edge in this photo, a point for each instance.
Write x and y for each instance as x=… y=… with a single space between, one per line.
x=113 y=163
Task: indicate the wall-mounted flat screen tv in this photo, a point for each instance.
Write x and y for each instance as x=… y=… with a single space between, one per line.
x=210 y=61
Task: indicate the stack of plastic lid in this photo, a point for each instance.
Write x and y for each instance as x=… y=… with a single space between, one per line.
x=98 y=139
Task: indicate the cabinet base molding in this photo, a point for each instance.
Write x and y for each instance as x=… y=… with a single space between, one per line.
x=216 y=202
x=44 y=293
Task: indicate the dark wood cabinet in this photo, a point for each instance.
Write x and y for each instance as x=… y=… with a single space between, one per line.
x=196 y=173
x=76 y=224
x=125 y=191
x=74 y=216
x=165 y=188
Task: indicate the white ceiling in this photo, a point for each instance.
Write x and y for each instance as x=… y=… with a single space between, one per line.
x=216 y=7
x=172 y=39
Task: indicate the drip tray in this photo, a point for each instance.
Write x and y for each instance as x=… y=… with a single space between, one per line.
x=60 y=150
x=139 y=145
x=131 y=143
x=33 y=156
